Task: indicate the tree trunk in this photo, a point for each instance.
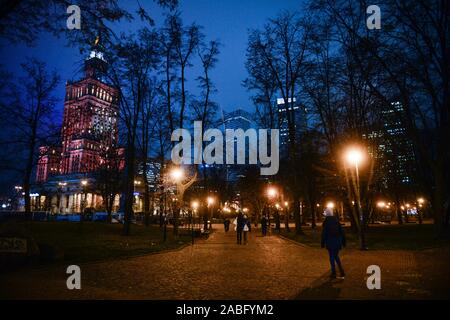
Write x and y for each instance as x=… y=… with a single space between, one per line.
x=297 y=216
x=129 y=189
x=312 y=209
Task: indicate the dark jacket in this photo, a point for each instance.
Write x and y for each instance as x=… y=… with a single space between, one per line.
x=240 y=222
x=333 y=237
x=264 y=222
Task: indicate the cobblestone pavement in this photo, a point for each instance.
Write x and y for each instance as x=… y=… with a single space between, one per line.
x=217 y=268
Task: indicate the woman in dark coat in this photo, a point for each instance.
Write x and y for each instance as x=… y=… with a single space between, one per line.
x=333 y=239
x=239 y=227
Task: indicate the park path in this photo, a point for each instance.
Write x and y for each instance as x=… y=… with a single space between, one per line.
x=217 y=268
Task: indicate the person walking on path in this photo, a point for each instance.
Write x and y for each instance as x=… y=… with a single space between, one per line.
x=226 y=224
x=239 y=222
x=246 y=228
x=333 y=239
x=264 y=225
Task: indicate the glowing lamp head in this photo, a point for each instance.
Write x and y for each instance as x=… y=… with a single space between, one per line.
x=210 y=200
x=330 y=205
x=84 y=182
x=286 y=203
x=354 y=156
x=194 y=205
x=421 y=200
x=271 y=192
x=176 y=174
x=381 y=204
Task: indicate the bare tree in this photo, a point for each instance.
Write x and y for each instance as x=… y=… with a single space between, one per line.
x=24 y=20
x=148 y=135
x=412 y=59
x=32 y=106
x=137 y=56
x=185 y=42
x=282 y=49
x=108 y=177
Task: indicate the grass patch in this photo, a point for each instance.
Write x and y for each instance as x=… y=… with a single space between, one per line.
x=402 y=237
x=92 y=241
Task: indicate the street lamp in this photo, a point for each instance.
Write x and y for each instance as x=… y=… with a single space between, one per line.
x=272 y=192
x=194 y=206
x=330 y=205
x=177 y=174
x=84 y=183
x=421 y=201
x=354 y=156
x=60 y=186
x=381 y=204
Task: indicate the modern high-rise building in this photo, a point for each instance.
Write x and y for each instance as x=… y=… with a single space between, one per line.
x=238 y=119
x=298 y=114
x=394 y=150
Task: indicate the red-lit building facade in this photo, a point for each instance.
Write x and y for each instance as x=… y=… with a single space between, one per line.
x=89 y=141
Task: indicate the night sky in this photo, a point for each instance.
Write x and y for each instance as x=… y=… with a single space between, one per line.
x=226 y=20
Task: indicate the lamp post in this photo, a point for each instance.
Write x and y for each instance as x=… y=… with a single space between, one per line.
x=194 y=209
x=210 y=201
x=60 y=187
x=178 y=176
x=286 y=216
x=354 y=157
x=420 y=201
x=272 y=194
x=84 y=183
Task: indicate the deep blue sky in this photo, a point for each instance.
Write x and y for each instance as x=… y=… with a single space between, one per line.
x=226 y=20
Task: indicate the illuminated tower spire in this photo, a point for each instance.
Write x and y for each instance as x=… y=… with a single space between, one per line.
x=95 y=64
